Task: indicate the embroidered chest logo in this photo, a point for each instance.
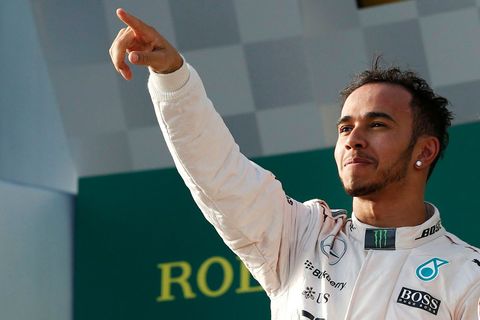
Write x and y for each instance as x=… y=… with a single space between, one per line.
x=321 y=297
x=419 y=299
x=428 y=270
x=323 y=274
x=333 y=248
x=380 y=239
x=309 y=293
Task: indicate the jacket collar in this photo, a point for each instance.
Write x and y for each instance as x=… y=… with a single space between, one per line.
x=375 y=238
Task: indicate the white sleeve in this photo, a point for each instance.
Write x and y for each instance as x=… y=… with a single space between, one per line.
x=244 y=202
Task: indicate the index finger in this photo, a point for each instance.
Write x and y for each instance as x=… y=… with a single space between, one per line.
x=132 y=21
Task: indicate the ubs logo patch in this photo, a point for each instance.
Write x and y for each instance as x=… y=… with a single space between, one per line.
x=321 y=297
x=419 y=299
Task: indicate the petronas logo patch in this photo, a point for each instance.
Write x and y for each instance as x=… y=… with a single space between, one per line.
x=428 y=270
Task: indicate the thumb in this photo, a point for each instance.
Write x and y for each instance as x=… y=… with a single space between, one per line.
x=161 y=61
x=145 y=58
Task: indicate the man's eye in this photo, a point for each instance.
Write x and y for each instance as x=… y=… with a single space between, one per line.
x=343 y=129
x=377 y=124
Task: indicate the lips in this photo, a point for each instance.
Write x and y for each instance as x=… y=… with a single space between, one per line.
x=358 y=160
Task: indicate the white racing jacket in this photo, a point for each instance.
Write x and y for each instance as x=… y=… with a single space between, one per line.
x=312 y=261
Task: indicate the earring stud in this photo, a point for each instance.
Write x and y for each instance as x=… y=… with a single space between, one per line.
x=418 y=163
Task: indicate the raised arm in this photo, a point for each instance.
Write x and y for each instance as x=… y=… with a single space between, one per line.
x=244 y=202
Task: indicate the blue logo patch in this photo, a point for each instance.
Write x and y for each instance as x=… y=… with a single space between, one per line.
x=429 y=270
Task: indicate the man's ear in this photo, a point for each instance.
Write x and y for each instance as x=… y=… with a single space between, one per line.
x=428 y=149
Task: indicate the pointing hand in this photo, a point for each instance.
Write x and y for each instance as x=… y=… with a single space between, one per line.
x=144 y=46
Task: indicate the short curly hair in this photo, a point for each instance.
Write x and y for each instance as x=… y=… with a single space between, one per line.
x=430 y=113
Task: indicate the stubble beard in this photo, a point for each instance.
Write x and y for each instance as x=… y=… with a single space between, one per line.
x=395 y=173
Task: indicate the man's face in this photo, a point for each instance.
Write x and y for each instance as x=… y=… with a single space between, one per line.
x=373 y=148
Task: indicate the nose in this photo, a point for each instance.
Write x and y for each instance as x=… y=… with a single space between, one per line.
x=355 y=140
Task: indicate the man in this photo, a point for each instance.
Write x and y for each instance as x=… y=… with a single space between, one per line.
x=392 y=260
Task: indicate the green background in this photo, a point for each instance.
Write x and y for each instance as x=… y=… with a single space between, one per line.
x=126 y=224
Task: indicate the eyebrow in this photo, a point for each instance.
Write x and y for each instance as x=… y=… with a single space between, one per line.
x=368 y=115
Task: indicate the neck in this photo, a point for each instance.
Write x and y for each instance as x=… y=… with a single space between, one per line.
x=391 y=208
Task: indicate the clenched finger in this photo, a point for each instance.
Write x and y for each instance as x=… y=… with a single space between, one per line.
x=115 y=40
x=119 y=49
